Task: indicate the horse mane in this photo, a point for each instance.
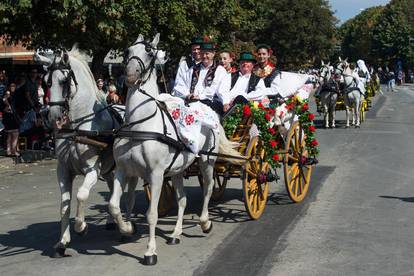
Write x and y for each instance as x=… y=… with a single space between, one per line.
x=82 y=58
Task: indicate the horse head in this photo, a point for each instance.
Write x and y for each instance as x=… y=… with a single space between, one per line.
x=141 y=58
x=325 y=72
x=61 y=81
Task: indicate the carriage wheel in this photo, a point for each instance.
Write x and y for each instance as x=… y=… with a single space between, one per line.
x=297 y=171
x=362 y=111
x=166 y=203
x=220 y=183
x=255 y=186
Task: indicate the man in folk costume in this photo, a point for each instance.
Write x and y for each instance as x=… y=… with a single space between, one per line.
x=203 y=81
x=265 y=68
x=242 y=85
x=189 y=61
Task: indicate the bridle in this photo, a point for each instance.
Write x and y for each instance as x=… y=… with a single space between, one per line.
x=143 y=70
x=66 y=70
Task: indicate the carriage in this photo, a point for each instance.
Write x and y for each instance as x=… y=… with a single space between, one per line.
x=254 y=172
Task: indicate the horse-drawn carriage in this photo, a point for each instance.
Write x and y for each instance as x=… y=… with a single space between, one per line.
x=147 y=146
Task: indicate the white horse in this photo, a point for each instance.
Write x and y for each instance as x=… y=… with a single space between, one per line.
x=76 y=103
x=328 y=94
x=353 y=96
x=140 y=150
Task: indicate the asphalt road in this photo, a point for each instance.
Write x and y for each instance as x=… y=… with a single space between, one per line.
x=357 y=219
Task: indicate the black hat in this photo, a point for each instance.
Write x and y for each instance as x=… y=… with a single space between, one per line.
x=207 y=46
x=263 y=46
x=247 y=56
x=196 y=41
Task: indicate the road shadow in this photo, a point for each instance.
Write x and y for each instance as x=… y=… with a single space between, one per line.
x=405 y=199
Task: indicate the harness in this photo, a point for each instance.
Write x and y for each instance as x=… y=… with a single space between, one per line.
x=69 y=77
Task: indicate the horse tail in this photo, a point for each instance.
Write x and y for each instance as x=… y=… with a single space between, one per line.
x=227 y=147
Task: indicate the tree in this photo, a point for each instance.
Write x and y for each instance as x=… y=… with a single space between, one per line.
x=357 y=35
x=393 y=33
x=301 y=31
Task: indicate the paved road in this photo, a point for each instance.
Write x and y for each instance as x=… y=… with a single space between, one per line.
x=357 y=219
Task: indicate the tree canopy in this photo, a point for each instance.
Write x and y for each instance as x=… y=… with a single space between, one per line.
x=299 y=31
x=381 y=34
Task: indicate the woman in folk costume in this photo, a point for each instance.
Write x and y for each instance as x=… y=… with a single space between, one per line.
x=363 y=74
x=226 y=58
x=265 y=68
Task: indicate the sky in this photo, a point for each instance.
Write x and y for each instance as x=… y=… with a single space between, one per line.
x=346 y=9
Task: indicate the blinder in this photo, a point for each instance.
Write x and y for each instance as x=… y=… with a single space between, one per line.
x=66 y=70
x=142 y=70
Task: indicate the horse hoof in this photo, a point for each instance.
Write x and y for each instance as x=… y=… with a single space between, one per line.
x=357 y=126
x=346 y=126
x=209 y=229
x=173 y=241
x=83 y=232
x=150 y=260
x=110 y=226
x=59 y=252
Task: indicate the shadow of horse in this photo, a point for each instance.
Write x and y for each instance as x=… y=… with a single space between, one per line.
x=404 y=199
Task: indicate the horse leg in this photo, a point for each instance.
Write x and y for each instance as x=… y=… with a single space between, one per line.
x=177 y=181
x=347 y=115
x=357 y=113
x=156 y=180
x=90 y=180
x=132 y=184
x=125 y=227
x=326 y=115
x=207 y=171
x=109 y=178
x=65 y=180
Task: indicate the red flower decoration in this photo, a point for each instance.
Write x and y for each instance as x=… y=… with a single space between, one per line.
x=275 y=157
x=311 y=116
x=267 y=117
x=272 y=131
x=315 y=143
x=312 y=128
x=246 y=111
x=260 y=106
x=272 y=111
x=273 y=143
x=305 y=107
x=290 y=106
x=176 y=114
x=189 y=119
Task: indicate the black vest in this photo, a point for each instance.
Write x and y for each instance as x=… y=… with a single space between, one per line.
x=268 y=80
x=209 y=76
x=253 y=81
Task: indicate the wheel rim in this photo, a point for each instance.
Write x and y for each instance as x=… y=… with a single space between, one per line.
x=166 y=202
x=255 y=193
x=297 y=173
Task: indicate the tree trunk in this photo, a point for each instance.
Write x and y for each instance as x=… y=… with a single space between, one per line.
x=97 y=63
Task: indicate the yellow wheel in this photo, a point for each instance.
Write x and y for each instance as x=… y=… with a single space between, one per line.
x=255 y=186
x=167 y=198
x=297 y=171
x=362 y=111
x=219 y=187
